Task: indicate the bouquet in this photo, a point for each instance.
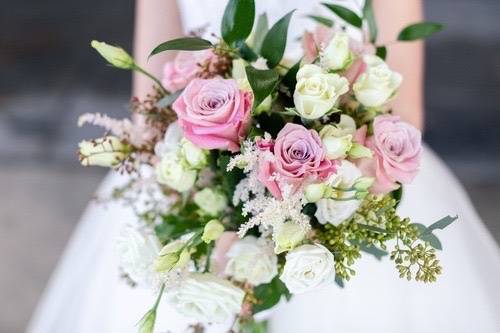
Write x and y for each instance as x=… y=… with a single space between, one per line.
x=255 y=176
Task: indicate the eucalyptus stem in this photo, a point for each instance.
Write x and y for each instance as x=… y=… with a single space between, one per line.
x=151 y=76
x=207 y=262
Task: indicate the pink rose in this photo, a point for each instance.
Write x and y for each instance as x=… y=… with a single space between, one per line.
x=184 y=68
x=297 y=155
x=397 y=149
x=214 y=113
x=313 y=41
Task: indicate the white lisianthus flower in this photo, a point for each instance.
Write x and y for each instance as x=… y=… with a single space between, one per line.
x=194 y=156
x=337 y=54
x=212 y=202
x=287 y=236
x=308 y=267
x=116 y=56
x=377 y=84
x=334 y=211
x=317 y=92
x=107 y=151
x=251 y=260
x=206 y=298
x=212 y=231
x=171 y=140
x=137 y=251
x=314 y=192
x=171 y=172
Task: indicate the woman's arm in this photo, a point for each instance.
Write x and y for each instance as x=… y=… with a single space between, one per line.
x=156 y=21
x=407 y=58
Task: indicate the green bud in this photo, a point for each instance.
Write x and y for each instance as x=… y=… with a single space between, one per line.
x=108 y=151
x=172 y=255
x=314 y=192
x=147 y=322
x=359 y=151
x=212 y=231
x=116 y=56
x=363 y=184
x=360 y=195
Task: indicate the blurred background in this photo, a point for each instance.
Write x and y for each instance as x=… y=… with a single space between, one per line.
x=49 y=76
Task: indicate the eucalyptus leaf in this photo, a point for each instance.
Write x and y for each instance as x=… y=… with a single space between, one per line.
x=381 y=52
x=339 y=281
x=261 y=30
x=168 y=100
x=374 y=251
x=321 y=20
x=345 y=13
x=369 y=16
x=263 y=83
x=237 y=22
x=433 y=240
x=443 y=223
x=183 y=44
x=274 y=44
x=419 y=30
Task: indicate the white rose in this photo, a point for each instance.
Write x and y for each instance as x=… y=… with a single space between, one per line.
x=251 y=260
x=171 y=172
x=171 y=140
x=334 y=211
x=206 y=298
x=377 y=84
x=194 y=156
x=308 y=267
x=210 y=201
x=337 y=138
x=287 y=236
x=317 y=92
x=137 y=251
x=108 y=151
x=337 y=54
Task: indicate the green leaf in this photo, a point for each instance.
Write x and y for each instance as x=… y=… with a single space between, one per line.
x=369 y=16
x=246 y=52
x=345 y=13
x=261 y=30
x=169 y=99
x=229 y=178
x=419 y=30
x=321 y=20
x=183 y=44
x=339 y=281
x=269 y=294
x=263 y=83
x=381 y=52
x=290 y=78
x=427 y=236
x=443 y=223
x=397 y=194
x=274 y=44
x=237 y=22
x=373 y=250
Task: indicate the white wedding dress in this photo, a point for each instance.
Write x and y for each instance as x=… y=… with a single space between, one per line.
x=86 y=294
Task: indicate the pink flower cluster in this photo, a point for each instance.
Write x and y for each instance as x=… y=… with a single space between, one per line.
x=298 y=156
x=185 y=67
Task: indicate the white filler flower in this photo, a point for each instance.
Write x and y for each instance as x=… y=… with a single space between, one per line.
x=335 y=211
x=206 y=298
x=308 y=267
x=252 y=260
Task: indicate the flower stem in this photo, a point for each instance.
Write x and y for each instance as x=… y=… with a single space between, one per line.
x=151 y=76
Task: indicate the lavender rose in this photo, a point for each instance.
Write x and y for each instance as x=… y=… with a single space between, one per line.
x=297 y=156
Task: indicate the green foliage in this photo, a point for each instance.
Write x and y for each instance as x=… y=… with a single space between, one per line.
x=254 y=327
x=419 y=30
x=269 y=294
x=381 y=52
x=274 y=44
x=442 y=223
x=183 y=44
x=261 y=30
x=181 y=221
x=375 y=223
x=246 y=52
x=321 y=20
x=237 y=22
x=168 y=99
x=263 y=83
x=345 y=13
x=369 y=16
x=290 y=78
x=229 y=178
